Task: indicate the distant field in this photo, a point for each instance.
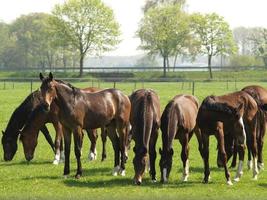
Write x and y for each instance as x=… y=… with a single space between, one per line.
x=41 y=180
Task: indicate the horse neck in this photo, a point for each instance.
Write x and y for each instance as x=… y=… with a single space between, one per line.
x=20 y=116
x=65 y=99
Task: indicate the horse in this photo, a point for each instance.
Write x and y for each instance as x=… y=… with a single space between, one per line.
x=235 y=114
x=145 y=122
x=39 y=118
x=259 y=94
x=18 y=119
x=178 y=121
x=79 y=110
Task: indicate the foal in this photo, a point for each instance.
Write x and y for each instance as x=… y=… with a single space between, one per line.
x=178 y=121
x=79 y=110
x=145 y=122
x=233 y=114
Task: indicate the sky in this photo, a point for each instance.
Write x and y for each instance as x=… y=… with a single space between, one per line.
x=129 y=12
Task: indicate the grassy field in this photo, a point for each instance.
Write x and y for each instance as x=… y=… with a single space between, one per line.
x=40 y=179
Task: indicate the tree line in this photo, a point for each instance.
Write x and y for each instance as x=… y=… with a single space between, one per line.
x=78 y=28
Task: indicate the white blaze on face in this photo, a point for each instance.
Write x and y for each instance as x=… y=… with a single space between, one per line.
x=243 y=128
x=164 y=174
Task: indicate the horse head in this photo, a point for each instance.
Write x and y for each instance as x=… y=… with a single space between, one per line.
x=9 y=146
x=48 y=89
x=140 y=160
x=165 y=164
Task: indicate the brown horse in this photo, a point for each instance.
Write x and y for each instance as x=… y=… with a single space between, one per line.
x=39 y=118
x=234 y=114
x=79 y=110
x=259 y=94
x=145 y=122
x=178 y=121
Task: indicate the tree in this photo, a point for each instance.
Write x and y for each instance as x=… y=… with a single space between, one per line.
x=155 y=3
x=214 y=35
x=4 y=40
x=88 y=25
x=162 y=29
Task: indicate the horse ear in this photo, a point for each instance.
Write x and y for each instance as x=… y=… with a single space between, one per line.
x=41 y=76
x=50 y=76
x=160 y=151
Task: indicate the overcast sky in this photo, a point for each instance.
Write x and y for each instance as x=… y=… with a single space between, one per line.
x=128 y=13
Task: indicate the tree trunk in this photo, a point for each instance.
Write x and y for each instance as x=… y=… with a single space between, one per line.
x=168 y=63
x=164 y=66
x=209 y=66
x=81 y=65
x=174 y=62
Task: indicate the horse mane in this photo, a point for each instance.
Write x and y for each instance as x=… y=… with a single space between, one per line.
x=209 y=103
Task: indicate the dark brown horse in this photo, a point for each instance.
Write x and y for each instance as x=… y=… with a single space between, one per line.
x=18 y=119
x=259 y=94
x=145 y=122
x=178 y=121
x=79 y=110
x=39 y=118
x=234 y=114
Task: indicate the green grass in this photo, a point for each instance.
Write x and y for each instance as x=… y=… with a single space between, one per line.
x=41 y=180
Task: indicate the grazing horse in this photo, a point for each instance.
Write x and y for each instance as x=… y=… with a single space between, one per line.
x=145 y=122
x=39 y=118
x=80 y=110
x=259 y=94
x=17 y=121
x=178 y=121
x=235 y=114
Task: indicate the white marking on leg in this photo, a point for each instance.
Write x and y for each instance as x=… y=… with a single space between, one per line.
x=57 y=158
x=229 y=183
x=164 y=174
x=116 y=170
x=243 y=129
x=92 y=155
x=255 y=169
x=239 y=171
x=261 y=166
x=186 y=171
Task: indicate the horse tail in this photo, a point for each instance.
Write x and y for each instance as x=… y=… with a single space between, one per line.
x=147 y=117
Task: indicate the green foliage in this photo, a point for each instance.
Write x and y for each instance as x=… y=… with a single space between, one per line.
x=246 y=61
x=214 y=35
x=163 y=29
x=88 y=25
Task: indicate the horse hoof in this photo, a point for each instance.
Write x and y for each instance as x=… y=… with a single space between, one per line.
x=77 y=176
x=122 y=172
x=55 y=162
x=237 y=179
x=261 y=166
x=255 y=178
x=116 y=171
x=154 y=180
x=229 y=182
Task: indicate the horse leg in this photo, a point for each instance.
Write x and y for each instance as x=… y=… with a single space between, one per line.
x=104 y=141
x=254 y=151
x=58 y=140
x=153 y=154
x=241 y=154
x=67 y=142
x=220 y=138
x=233 y=164
x=92 y=135
x=199 y=140
x=260 y=159
x=111 y=130
x=249 y=147
x=48 y=138
x=184 y=139
x=205 y=152
x=78 y=139
x=122 y=130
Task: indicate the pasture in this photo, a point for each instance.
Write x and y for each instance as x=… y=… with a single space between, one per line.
x=39 y=179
